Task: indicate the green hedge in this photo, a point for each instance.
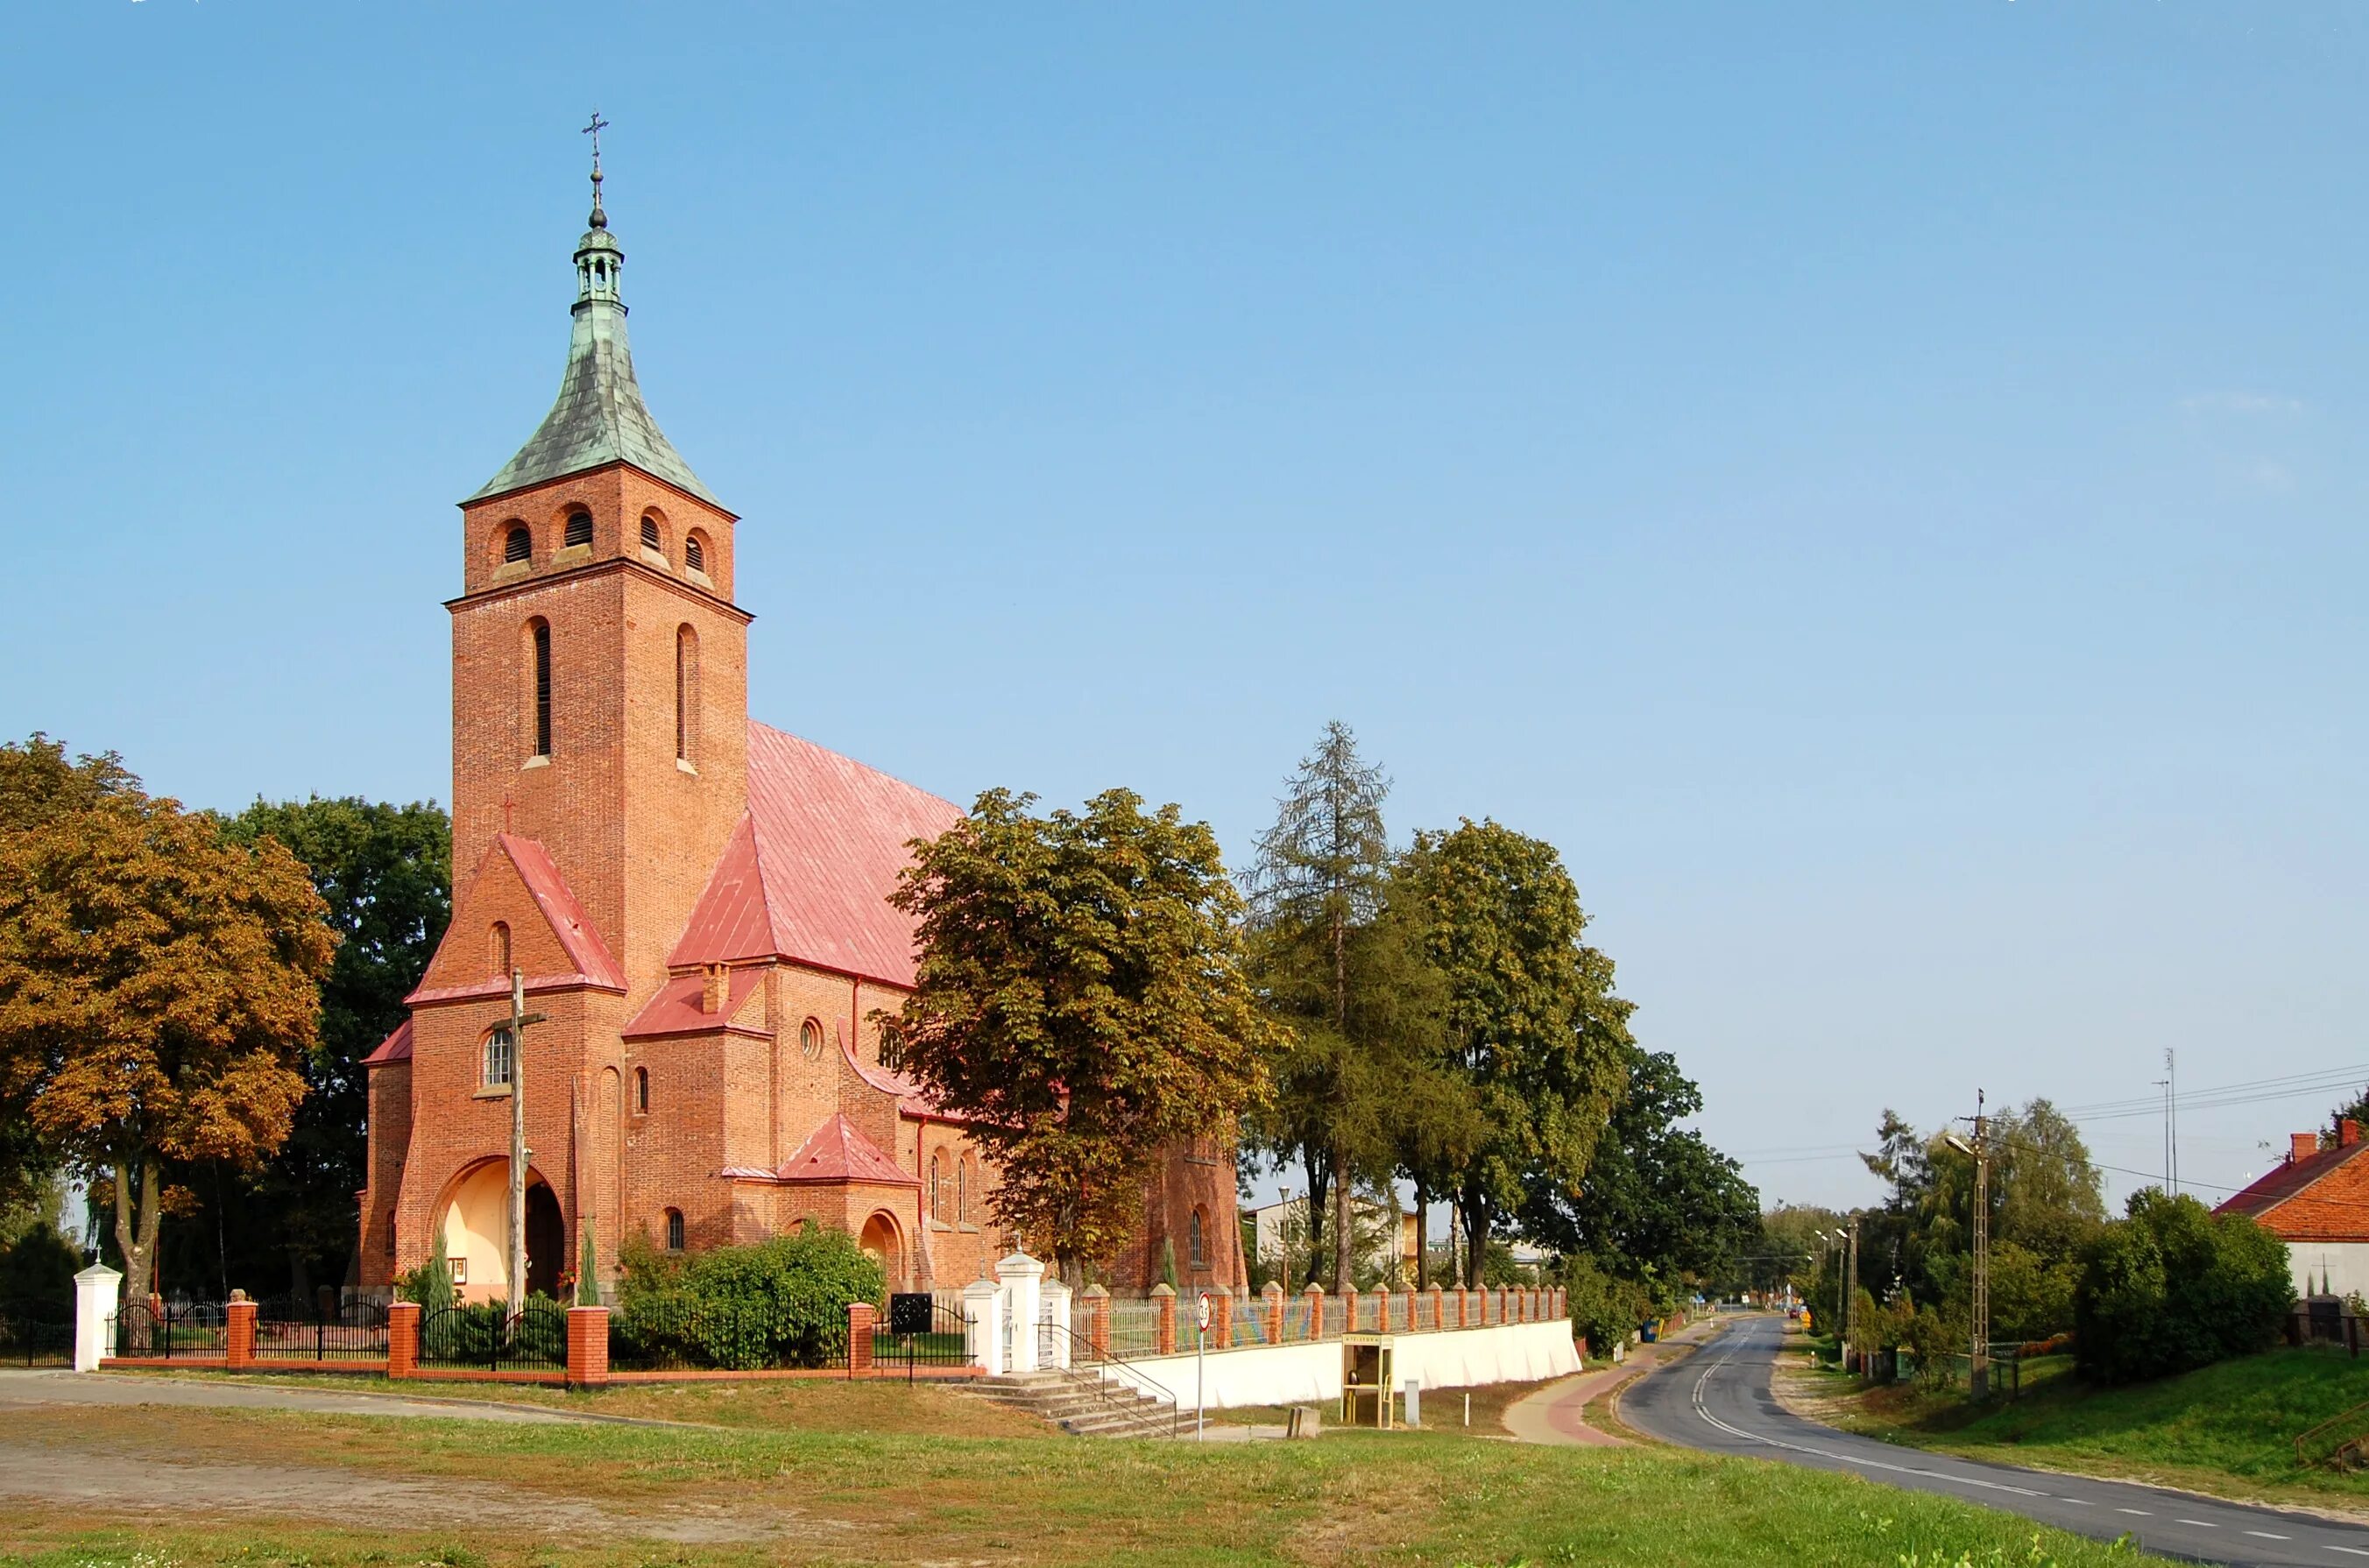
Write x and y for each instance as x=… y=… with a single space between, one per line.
x=2174 y=1288
x=778 y=1303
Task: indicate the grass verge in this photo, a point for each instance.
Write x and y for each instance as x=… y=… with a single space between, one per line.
x=160 y=1487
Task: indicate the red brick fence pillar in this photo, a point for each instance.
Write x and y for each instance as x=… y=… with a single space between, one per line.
x=1271 y=1303
x=238 y=1335
x=1098 y=1314
x=588 y=1346
x=1163 y=1301
x=1313 y=1295
x=402 y=1339
x=860 y=1315
x=1221 y=1320
x=1349 y=1310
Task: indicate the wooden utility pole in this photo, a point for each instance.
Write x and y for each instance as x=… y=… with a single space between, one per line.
x=520 y=1019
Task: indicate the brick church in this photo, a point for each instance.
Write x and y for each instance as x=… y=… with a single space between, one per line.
x=697 y=902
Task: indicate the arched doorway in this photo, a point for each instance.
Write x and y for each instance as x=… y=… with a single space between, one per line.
x=475 y=1226
x=881 y=1245
x=546 y=1240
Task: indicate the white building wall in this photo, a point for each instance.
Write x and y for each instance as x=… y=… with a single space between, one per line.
x=2320 y=1268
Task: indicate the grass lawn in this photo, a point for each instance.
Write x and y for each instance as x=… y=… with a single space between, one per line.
x=2228 y=1429
x=161 y=1486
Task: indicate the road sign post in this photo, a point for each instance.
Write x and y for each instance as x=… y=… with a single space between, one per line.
x=1200 y=1347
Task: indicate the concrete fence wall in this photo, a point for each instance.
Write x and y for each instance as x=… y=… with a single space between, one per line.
x=1308 y=1372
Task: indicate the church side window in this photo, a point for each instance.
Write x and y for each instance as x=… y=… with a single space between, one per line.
x=1196 y=1242
x=540 y=641
x=498 y=947
x=641 y=1091
x=500 y=1047
x=580 y=529
x=810 y=1041
x=518 y=545
x=674 y=1230
x=938 y=1187
x=686 y=695
x=962 y=1191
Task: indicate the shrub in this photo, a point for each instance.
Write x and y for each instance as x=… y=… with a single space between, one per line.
x=2174 y=1288
x=781 y=1303
x=430 y=1285
x=37 y=1263
x=1605 y=1309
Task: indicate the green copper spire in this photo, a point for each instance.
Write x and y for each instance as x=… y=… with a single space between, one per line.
x=599 y=417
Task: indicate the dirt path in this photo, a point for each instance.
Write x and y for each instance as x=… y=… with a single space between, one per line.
x=19 y=1388
x=114 y=1485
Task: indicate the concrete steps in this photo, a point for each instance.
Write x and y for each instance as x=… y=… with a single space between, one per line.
x=1081 y=1404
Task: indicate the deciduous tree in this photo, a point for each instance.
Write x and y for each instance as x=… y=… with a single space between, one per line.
x=1081 y=998
x=158 y=986
x=1532 y=1022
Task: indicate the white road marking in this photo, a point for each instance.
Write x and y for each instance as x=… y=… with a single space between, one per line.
x=2142 y=1513
x=2200 y=1524
x=2354 y=1550
x=2083 y=1501
x=2268 y=1536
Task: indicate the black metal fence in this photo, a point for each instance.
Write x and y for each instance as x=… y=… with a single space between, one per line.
x=489 y=1336
x=36 y=1333
x=290 y=1329
x=932 y=1335
x=684 y=1334
x=184 y=1328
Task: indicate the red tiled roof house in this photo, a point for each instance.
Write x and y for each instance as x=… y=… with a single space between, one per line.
x=2317 y=1201
x=697 y=903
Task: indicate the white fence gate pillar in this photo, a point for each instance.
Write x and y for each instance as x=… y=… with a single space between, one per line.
x=1053 y=1342
x=982 y=1303
x=1021 y=1280
x=98 y=1293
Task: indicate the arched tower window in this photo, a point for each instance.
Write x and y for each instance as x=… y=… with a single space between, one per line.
x=674 y=1230
x=651 y=538
x=518 y=545
x=695 y=553
x=641 y=1091
x=1197 y=1242
x=539 y=687
x=580 y=529
x=498 y=947
x=686 y=695
x=498 y=1050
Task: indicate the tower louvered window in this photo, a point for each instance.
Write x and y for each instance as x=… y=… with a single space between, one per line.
x=580 y=528
x=543 y=689
x=651 y=540
x=517 y=545
x=693 y=556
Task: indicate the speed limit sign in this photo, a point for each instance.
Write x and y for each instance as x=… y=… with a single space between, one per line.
x=1202 y=1312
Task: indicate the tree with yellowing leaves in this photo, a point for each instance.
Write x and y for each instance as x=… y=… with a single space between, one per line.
x=158 y=983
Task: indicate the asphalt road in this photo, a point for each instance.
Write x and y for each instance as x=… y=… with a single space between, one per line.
x=1719 y=1400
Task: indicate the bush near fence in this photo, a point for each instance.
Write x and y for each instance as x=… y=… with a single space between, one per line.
x=777 y=1303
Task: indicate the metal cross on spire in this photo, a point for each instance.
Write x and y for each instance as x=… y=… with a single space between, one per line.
x=600 y=219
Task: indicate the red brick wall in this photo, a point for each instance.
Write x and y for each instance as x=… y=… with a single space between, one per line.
x=390 y=1142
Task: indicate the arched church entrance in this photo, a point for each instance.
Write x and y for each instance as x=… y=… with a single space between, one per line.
x=882 y=1243
x=475 y=1227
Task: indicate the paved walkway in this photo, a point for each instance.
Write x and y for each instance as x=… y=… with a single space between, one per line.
x=1558 y=1413
x=20 y=1389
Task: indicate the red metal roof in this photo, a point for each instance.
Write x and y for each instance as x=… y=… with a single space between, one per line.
x=395 y=1047
x=675 y=1009
x=836 y=1151
x=2281 y=1183
x=807 y=873
x=558 y=903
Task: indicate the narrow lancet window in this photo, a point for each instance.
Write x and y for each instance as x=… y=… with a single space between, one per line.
x=542 y=688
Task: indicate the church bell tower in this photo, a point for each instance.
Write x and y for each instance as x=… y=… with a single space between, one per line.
x=600 y=693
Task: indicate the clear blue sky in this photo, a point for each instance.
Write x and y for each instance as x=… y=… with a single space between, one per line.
x=1881 y=486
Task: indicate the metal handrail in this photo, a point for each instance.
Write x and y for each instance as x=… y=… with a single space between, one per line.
x=1103 y=1361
